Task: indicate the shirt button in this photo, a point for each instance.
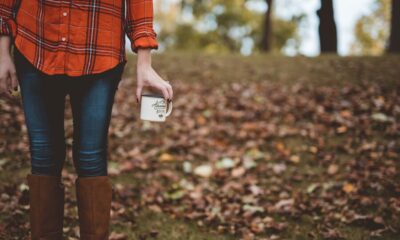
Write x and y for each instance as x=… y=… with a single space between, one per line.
x=63 y=39
x=64 y=14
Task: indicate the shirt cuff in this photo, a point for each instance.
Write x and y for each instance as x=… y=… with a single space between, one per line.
x=8 y=27
x=143 y=40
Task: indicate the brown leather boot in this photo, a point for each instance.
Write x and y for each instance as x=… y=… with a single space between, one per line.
x=46 y=200
x=94 y=195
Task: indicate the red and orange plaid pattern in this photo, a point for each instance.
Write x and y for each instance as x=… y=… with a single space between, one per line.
x=77 y=37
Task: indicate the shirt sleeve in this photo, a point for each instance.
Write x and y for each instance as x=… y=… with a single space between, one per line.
x=8 y=10
x=139 y=24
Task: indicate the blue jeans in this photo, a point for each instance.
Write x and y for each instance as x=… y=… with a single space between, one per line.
x=43 y=101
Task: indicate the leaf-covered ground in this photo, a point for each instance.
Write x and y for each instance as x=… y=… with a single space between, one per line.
x=261 y=147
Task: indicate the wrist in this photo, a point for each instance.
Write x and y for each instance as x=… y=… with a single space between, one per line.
x=144 y=57
x=5 y=45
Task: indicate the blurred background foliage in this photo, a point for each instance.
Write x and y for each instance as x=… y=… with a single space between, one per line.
x=218 y=26
x=372 y=31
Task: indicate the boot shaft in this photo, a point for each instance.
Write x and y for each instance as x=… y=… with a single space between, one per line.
x=94 y=196
x=46 y=200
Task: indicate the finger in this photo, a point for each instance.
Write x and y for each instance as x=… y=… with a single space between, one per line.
x=8 y=83
x=165 y=92
x=168 y=89
x=3 y=84
x=138 y=93
x=10 y=89
x=171 y=92
x=8 y=93
x=14 y=81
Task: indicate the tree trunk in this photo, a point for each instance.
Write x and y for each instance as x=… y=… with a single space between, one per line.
x=394 y=41
x=266 y=41
x=327 y=27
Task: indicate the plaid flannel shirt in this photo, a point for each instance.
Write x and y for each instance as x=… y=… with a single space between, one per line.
x=77 y=37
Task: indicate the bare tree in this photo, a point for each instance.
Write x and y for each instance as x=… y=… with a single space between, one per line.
x=266 y=41
x=394 y=40
x=327 y=27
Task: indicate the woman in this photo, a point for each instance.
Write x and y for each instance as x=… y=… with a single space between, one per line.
x=76 y=48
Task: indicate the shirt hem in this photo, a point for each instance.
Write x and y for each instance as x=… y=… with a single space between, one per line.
x=74 y=73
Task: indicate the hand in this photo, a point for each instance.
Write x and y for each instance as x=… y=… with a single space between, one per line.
x=8 y=75
x=148 y=77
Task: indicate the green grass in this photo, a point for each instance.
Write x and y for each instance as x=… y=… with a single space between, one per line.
x=152 y=225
